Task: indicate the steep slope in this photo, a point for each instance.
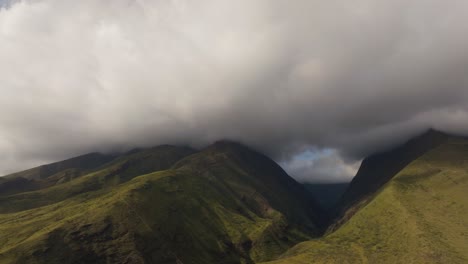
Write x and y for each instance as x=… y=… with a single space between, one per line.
x=225 y=204
x=419 y=216
x=378 y=169
x=263 y=175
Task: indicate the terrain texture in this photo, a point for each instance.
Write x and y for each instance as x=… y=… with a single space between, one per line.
x=224 y=204
x=419 y=214
x=230 y=204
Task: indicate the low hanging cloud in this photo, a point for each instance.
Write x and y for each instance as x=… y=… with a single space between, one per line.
x=281 y=76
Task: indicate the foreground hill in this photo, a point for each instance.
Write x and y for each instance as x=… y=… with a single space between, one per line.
x=418 y=215
x=224 y=204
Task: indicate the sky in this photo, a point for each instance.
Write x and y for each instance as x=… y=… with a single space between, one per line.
x=317 y=85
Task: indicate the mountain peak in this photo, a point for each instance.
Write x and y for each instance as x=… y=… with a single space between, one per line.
x=431 y=133
x=223 y=204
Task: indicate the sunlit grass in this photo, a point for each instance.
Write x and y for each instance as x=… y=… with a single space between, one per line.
x=421 y=216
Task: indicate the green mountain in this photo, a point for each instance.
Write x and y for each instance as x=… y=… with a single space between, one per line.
x=378 y=169
x=407 y=205
x=229 y=204
x=223 y=204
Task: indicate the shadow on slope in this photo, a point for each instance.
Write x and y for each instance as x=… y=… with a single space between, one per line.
x=225 y=204
x=419 y=216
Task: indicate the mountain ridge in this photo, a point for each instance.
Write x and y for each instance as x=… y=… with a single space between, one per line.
x=386 y=165
x=228 y=203
x=419 y=214
x=208 y=206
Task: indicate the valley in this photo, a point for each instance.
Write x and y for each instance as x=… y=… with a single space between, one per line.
x=228 y=203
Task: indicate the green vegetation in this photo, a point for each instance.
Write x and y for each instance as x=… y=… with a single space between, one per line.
x=229 y=204
x=225 y=204
x=420 y=216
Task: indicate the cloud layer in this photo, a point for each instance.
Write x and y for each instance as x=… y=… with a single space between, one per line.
x=281 y=76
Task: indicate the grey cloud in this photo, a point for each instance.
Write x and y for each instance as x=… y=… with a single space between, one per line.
x=281 y=76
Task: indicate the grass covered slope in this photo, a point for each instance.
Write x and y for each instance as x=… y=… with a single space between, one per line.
x=81 y=163
x=378 y=169
x=419 y=216
x=60 y=186
x=225 y=204
x=31 y=188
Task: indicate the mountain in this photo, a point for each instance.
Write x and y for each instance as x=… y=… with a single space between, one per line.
x=378 y=169
x=223 y=204
x=120 y=167
x=407 y=205
x=46 y=175
x=230 y=204
x=81 y=163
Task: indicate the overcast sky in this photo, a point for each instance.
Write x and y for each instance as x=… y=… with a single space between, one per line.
x=318 y=85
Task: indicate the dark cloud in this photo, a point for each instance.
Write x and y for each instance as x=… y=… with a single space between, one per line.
x=281 y=76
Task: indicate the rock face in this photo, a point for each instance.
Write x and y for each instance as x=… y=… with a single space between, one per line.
x=224 y=204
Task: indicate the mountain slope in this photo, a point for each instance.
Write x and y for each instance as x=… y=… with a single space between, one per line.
x=224 y=204
x=378 y=169
x=108 y=171
x=419 y=216
x=47 y=175
x=84 y=162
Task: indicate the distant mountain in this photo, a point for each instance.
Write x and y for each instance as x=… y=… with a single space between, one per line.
x=223 y=204
x=407 y=205
x=327 y=194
